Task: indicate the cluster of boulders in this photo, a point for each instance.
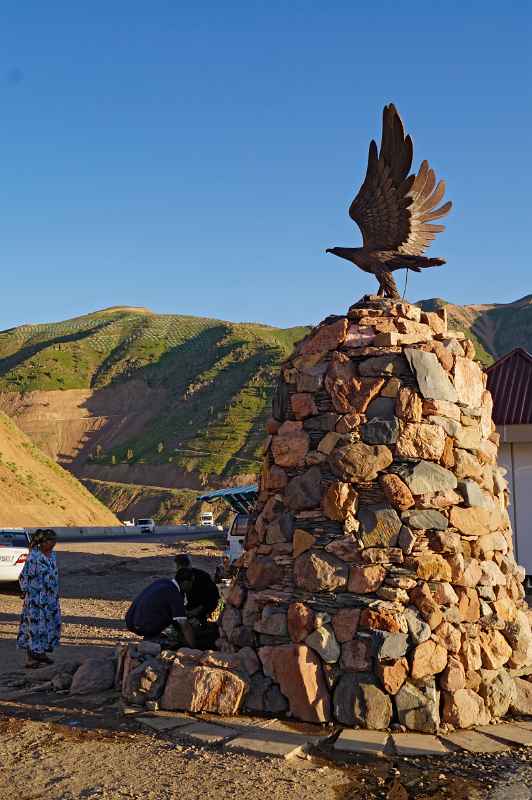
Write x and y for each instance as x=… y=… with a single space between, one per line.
x=378 y=584
x=190 y=680
x=90 y=676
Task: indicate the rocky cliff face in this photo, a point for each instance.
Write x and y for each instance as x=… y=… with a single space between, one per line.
x=378 y=583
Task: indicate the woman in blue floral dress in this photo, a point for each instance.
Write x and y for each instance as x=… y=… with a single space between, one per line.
x=40 y=624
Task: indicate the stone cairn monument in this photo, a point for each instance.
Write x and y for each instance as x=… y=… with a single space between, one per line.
x=378 y=583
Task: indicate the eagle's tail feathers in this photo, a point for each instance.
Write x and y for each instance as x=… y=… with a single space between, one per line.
x=415 y=263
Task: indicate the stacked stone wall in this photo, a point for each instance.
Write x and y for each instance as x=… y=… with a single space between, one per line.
x=378 y=584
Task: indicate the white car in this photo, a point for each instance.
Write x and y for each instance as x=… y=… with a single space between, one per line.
x=145 y=525
x=14 y=549
x=207 y=518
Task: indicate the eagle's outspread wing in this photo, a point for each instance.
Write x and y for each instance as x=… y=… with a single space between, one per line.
x=394 y=211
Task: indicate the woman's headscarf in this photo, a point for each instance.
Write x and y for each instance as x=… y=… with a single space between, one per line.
x=41 y=536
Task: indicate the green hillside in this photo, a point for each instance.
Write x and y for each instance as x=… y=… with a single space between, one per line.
x=171 y=400
x=214 y=378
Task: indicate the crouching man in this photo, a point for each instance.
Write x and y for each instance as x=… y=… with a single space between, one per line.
x=202 y=599
x=162 y=605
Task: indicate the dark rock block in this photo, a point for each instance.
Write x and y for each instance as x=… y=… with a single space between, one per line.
x=380 y=431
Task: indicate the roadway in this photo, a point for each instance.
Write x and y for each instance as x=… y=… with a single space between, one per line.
x=184 y=533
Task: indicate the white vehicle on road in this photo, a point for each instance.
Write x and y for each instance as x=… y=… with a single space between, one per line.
x=14 y=549
x=242 y=500
x=145 y=525
x=207 y=518
x=236 y=537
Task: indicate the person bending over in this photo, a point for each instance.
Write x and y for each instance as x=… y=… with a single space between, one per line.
x=203 y=595
x=160 y=605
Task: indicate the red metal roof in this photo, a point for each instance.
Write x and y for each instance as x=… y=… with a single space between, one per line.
x=510 y=383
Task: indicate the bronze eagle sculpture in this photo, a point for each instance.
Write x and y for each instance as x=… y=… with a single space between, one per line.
x=395 y=210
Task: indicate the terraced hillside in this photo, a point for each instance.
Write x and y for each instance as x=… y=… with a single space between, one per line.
x=128 y=398
x=144 y=398
x=35 y=491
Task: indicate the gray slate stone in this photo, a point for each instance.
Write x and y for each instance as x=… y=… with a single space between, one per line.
x=433 y=381
x=274 y=701
x=304 y=491
x=417 y=744
x=382 y=408
x=281 y=529
x=387 y=646
x=427 y=519
x=272 y=740
x=94 y=675
x=148 y=648
x=418 y=629
x=425 y=477
x=264 y=695
x=498 y=691
x=380 y=431
x=379 y=526
x=406 y=539
x=254 y=699
x=474 y=742
x=418 y=710
x=206 y=733
x=473 y=494
x=359 y=701
x=508 y=733
x=273 y=622
x=370 y=743
x=323 y=641
x=322 y=422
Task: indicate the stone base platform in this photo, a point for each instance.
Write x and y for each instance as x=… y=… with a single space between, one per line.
x=274 y=738
x=200 y=695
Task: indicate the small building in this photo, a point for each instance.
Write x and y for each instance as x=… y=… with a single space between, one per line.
x=510 y=383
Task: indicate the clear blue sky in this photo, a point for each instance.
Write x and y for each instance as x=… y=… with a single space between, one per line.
x=198 y=157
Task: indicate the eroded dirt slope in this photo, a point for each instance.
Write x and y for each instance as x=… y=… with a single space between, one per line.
x=34 y=491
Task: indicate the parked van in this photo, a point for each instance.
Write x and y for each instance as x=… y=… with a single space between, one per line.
x=236 y=536
x=241 y=499
x=207 y=518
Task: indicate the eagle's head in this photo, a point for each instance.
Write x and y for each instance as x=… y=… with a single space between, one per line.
x=343 y=252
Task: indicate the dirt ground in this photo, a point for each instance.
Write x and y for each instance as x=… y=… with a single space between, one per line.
x=98 y=582
x=44 y=756
x=55 y=748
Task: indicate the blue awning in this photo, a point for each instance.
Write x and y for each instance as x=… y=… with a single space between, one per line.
x=240 y=498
